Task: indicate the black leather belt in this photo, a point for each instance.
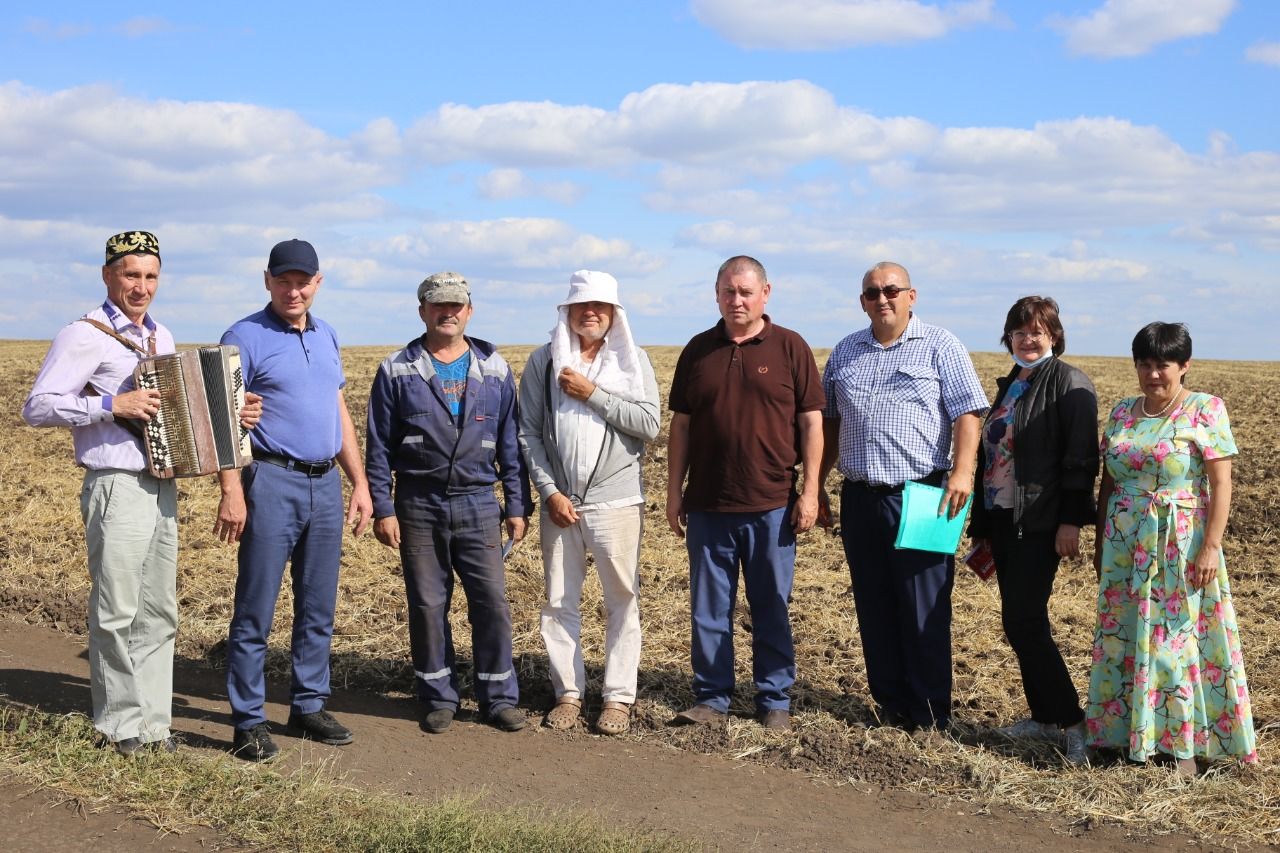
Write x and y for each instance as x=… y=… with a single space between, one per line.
x=937 y=478
x=311 y=469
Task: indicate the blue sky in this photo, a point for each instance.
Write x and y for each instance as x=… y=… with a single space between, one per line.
x=1119 y=155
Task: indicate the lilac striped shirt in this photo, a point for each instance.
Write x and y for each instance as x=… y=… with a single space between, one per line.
x=83 y=356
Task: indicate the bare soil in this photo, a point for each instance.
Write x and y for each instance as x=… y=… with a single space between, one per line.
x=835 y=784
x=723 y=803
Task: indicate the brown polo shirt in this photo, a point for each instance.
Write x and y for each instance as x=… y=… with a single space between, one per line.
x=742 y=401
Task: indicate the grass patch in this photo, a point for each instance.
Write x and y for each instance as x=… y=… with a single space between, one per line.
x=43 y=580
x=308 y=810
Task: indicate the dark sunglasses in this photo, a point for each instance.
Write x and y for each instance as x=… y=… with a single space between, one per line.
x=872 y=294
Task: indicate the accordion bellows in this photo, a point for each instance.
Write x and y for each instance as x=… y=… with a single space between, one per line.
x=197 y=430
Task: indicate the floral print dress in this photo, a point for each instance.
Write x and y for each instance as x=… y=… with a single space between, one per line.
x=1168 y=671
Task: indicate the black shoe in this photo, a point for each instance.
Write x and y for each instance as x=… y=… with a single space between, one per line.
x=255 y=744
x=437 y=721
x=321 y=726
x=128 y=746
x=508 y=719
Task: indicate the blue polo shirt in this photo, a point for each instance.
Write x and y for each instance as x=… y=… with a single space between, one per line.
x=298 y=375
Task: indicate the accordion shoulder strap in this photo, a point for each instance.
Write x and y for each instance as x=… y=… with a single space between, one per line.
x=129 y=424
x=107 y=330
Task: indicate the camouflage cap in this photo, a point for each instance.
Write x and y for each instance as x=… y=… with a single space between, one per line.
x=445 y=287
x=132 y=243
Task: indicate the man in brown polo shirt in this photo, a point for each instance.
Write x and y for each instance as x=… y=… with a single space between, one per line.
x=747 y=408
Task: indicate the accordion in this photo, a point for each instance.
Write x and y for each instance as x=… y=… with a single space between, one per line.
x=197 y=429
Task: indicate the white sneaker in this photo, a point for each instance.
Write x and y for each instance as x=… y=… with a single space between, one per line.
x=1074 y=752
x=1030 y=730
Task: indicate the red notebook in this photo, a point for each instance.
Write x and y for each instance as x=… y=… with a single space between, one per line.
x=981 y=561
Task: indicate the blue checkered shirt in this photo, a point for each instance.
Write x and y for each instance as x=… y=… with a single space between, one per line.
x=896 y=404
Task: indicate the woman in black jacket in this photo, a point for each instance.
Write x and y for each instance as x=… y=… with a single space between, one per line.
x=1033 y=492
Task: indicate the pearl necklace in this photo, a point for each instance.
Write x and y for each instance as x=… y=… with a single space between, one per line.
x=1167 y=406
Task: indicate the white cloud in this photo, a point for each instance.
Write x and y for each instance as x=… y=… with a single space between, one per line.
x=1078 y=173
x=56 y=31
x=90 y=148
x=762 y=126
x=1265 y=52
x=834 y=24
x=504 y=184
x=516 y=243
x=1134 y=27
x=143 y=26
x=1036 y=268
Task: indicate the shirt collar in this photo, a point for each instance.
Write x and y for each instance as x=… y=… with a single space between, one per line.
x=271 y=312
x=118 y=319
x=758 y=336
x=868 y=338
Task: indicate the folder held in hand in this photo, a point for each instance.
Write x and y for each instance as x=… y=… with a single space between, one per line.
x=921 y=527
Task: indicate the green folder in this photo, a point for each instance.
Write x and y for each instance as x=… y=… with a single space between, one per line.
x=921 y=527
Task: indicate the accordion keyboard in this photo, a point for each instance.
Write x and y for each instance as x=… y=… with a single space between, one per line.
x=197 y=430
x=169 y=433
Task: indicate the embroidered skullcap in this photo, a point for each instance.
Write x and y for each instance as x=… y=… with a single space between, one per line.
x=132 y=243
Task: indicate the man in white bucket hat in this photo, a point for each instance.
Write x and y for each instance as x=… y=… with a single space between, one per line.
x=588 y=403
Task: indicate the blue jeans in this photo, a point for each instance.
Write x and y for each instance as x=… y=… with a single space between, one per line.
x=764 y=546
x=903 y=601
x=440 y=535
x=297 y=519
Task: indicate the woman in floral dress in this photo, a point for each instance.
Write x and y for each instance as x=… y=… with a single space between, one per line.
x=1168 y=672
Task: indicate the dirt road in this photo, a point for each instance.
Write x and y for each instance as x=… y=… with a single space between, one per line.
x=727 y=805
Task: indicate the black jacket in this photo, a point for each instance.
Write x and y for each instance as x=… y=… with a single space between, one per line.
x=1055 y=428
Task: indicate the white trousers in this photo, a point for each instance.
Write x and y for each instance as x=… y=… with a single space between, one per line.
x=131 y=529
x=613 y=538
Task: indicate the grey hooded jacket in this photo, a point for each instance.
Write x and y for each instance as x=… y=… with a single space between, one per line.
x=630 y=425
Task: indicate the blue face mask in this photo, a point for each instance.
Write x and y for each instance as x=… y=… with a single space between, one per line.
x=1032 y=365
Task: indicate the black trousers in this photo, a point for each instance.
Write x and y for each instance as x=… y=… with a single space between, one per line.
x=903 y=602
x=1025 y=569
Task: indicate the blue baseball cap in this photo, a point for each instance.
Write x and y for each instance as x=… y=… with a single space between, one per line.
x=293 y=254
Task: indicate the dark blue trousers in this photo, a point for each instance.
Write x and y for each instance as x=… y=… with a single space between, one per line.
x=441 y=535
x=903 y=602
x=298 y=520
x=764 y=546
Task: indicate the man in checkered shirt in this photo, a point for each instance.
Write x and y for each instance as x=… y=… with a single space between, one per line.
x=903 y=403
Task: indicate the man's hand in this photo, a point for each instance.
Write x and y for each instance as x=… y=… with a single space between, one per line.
x=141 y=404
x=360 y=510
x=516 y=528
x=825 y=519
x=804 y=513
x=956 y=493
x=676 y=516
x=1067 y=540
x=251 y=411
x=575 y=384
x=562 y=511
x=387 y=531
x=232 y=513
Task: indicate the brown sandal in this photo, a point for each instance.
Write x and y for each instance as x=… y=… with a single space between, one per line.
x=614 y=719
x=565 y=713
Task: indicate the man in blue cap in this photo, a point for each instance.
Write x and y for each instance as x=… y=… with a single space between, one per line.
x=287 y=505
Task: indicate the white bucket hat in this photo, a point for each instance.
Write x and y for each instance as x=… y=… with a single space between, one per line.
x=620 y=368
x=591 y=286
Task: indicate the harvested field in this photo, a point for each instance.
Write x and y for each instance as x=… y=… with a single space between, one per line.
x=43 y=580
